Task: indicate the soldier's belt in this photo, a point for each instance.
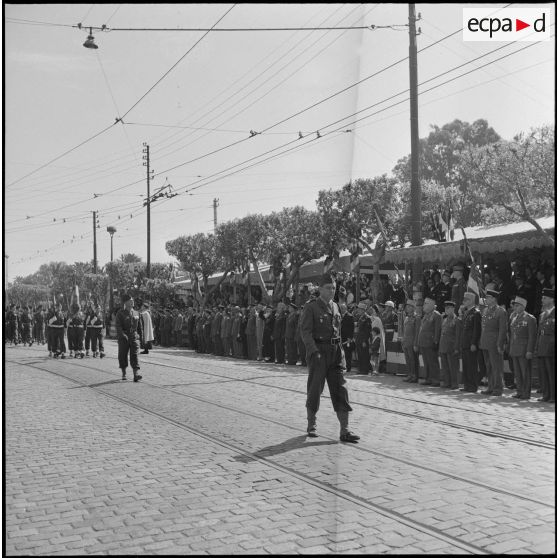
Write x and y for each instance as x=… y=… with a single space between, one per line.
x=331 y=341
x=52 y=325
x=96 y=326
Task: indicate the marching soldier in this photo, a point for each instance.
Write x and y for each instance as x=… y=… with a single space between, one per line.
x=428 y=340
x=127 y=331
x=321 y=330
x=97 y=323
x=545 y=348
x=522 y=337
x=493 y=339
x=470 y=335
x=75 y=325
x=39 y=325
x=449 y=352
x=56 y=324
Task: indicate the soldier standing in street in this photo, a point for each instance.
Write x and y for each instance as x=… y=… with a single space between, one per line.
x=411 y=326
x=128 y=333
x=522 y=337
x=492 y=342
x=428 y=340
x=56 y=324
x=545 y=348
x=97 y=323
x=321 y=332
x=470 y=336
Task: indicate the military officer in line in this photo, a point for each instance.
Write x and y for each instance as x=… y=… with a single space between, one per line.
x=411 y=326
x=494 y=332
x=428 y=340
x=321 y=332
x=545 y=348
x=128 y=325
x=470 y=335
x=448 y=349
x=522 y=337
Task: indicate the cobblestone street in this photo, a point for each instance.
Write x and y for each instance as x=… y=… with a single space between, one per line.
x=208 y=455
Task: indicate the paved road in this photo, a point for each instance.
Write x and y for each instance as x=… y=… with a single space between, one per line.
x=208 y=455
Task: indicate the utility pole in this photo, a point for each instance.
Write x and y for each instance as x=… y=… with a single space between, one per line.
x=215 y=206
x=416 y=232
x=95 y=225
x=146 y=164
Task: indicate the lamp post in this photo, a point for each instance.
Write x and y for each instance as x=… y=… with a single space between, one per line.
x=111 y=231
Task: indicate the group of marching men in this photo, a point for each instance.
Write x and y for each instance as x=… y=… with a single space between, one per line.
x=84 y=329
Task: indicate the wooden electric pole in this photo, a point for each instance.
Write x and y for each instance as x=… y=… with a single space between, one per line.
x=146 y=164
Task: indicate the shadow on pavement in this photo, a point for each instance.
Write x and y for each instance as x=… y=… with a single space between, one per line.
x=297 y=442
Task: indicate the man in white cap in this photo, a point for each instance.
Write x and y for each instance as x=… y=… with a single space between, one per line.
x=545 y=348
x=470 y=336
x=492 y=342
x=522 y=337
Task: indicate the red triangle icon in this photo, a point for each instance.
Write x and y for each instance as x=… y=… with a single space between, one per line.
x=519 y=25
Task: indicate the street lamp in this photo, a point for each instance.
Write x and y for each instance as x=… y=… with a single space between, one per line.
x=111 y=230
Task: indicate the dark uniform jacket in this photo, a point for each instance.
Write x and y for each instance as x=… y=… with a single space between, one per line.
x=319 y=322
x=546 y=334
x=411 y=326
x=522 y=334
x=251 y=325
x=430 y=329
x=443 y=293
x=128 y=324
x=448 y=337
x=279 y=327
x=494 y=329
x=470 y=328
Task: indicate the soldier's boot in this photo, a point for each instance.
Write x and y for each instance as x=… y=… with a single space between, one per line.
x=123 y=373
x=87 y=352
x=311 y=430
x=137 y=376
x=71 y=354
x=101 y=355
x=95 y=353
x=346 y=435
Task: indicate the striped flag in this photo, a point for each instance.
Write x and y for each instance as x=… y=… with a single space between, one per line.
x=474 y=283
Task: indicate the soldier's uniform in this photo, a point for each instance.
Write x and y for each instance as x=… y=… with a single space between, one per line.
x=97 y=324
x=39 y=326
x=427 y=341
x=469 y=336
x=128 y=326
x=56 y=325
x=321 y=332
x=75 y=324
x=409 y=339
x=347 y=338
x=216 y=324
x=362 y=340
x=291 y=327
x=449 y=351
x=522 y=338
x=545 y=350
x=492 y=342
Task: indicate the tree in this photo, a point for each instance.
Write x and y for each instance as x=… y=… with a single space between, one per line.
x=517 y=176
x=440 y=152
x=130 y=258
x=198 y=254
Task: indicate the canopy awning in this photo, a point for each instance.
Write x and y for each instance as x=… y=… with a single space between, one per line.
x=486 y=239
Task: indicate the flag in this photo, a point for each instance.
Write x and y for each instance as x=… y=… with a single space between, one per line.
x=442 y=225
x=378 y=246
x=451 y=224
x=74 y=299
x=474 y=282
x=328 y=264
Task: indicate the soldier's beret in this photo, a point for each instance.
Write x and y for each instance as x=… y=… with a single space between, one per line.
x=493 y=293
x=550 y=293
x=126 y=297
x=519 y=300
x=327 y=279
x=449 y=303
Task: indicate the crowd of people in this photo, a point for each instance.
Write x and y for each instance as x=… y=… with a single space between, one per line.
x=445 y=324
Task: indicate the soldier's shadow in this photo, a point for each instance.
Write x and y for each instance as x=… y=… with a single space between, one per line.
x=298 y=442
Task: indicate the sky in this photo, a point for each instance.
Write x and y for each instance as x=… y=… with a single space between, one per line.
x=196 y=99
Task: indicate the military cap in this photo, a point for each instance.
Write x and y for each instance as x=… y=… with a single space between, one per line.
x=126 y=297
x=550 y=293
x=326 y=279
x=221 y=307
x=490 y=292
x=270 y=307
x=519 y=300
x=390 y=303
x=236 y=308
x=482 y=302
x=410 y=302
x=446 y=272
x=362 y=305
x=449 y=303
x=430 y=299
x=469 y=295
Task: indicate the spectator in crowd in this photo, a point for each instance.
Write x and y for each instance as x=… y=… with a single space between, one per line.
x=375 y=350
x=470 y=336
